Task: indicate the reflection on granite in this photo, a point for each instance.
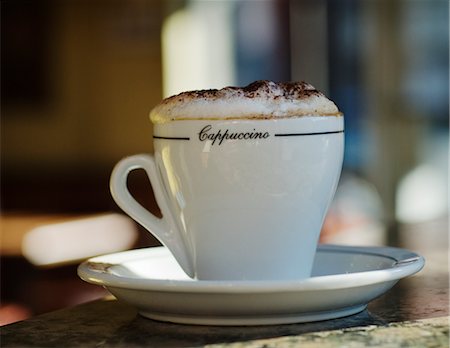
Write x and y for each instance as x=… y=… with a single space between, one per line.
x=414 y=298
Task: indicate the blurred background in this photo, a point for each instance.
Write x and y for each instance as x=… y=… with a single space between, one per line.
x=78 y=79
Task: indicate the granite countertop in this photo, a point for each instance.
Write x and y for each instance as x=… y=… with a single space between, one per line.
x=109 y=323
x=412 y=314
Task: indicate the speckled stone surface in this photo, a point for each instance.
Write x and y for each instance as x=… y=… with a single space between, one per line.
x=412 y=314
x=422 y=333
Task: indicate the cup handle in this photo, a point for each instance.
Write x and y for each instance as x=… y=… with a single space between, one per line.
x=164 y=229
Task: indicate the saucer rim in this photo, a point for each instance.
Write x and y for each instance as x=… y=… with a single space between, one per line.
x=405 y=264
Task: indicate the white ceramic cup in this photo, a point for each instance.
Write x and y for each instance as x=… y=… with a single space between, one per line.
x=241 y=199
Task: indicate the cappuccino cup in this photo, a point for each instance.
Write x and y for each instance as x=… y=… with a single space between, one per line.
x=243 y=178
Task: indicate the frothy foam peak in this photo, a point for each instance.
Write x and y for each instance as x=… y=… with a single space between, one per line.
x=259 y=100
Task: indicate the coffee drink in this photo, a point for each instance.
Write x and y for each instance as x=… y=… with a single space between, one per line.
x=259 y=100
x=243 y=177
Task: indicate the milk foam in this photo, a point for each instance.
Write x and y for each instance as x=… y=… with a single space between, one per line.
x=259 y=100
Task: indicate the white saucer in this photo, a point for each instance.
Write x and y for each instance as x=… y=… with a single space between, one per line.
x=344 y=280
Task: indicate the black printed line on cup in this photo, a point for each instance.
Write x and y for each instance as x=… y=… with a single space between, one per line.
x=306 y=134
x=276 y=135
x=171 y=138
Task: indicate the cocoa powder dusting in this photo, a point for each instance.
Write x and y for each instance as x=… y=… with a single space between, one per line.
x=257 y=89
x=261 y=99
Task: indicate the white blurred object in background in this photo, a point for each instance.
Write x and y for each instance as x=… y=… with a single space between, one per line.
x=422 y=194
x=356 y=214
x=197 y=47
x=72 y=241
